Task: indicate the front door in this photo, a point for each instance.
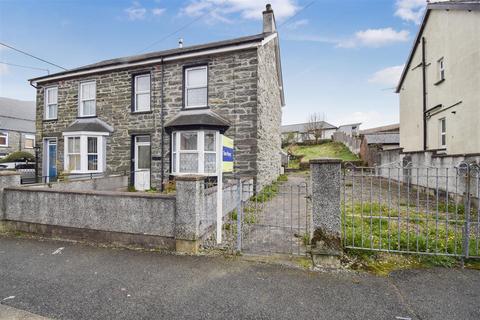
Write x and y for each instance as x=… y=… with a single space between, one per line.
x=51 y=160
x=142 y=163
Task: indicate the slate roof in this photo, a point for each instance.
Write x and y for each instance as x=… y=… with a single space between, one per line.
x=446 y=5
x=90 y=125
x=160 y=54
x=388 y=128
x=204 y=118
x=383 y=138
x=17 y=115
x=301 y=127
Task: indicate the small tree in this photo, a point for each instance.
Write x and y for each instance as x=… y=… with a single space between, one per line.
x=315 y=126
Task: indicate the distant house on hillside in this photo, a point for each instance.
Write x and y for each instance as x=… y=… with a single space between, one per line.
x=440 y=85
x=298 y=133
x=17 y=126
x=352 y=129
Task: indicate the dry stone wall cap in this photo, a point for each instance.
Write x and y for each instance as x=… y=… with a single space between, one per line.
x=325 y=160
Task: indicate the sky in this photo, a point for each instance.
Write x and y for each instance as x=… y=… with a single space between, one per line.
x=340 y=59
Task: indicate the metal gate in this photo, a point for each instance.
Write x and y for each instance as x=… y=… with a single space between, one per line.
x=407 y=209
x=276 y=219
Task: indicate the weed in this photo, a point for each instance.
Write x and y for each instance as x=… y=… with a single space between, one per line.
x=282 y=178
x=131 y=189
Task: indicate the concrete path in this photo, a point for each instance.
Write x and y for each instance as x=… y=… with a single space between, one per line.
x=83 y=282
x=9 y=313
x=281 y=222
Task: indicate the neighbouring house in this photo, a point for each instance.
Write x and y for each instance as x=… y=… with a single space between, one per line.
x=162 y=114
x=17 y=126
x=352 y=129
x=440 y=85
x=299 y=133
x=376 y=140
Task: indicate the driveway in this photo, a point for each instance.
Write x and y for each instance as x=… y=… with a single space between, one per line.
x=64 y=280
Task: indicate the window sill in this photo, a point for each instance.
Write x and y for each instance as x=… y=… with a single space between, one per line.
x=86 y=117
x=438 y=82
x=195 y=108
x=141 y=112
x=50 y=120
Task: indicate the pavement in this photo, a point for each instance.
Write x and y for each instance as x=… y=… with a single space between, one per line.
x=66 y=280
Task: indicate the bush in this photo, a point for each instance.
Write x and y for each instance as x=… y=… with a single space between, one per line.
x=18 y=156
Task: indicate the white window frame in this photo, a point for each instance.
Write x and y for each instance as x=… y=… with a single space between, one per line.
x=29 y=137
x=5 y=134
x=137 y=92
x=186 y=87
x=81 y=100
x=200 y=151
x=441 y=69
x=442 y=132
x=47 y=105
x=101 y=151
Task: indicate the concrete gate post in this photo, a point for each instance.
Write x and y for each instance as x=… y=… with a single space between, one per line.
x=190 y=199
x=7 y=179
x=326 y=181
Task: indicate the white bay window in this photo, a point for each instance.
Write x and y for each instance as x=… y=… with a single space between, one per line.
x=195 y=152
x=85 y=152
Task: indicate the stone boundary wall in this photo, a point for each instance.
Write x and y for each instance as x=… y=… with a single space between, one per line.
x=352 y=142
x=125 y=212
x=230 y=199
x=393 y=165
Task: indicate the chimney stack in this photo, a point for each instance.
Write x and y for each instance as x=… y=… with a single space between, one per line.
x=269 y=24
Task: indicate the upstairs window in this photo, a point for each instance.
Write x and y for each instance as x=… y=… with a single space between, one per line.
x=195 y=95
x=443 y=132
x=29 y=141
x=51 y=103
x=441 y=69
x=3 y=139
x=87 y=99
x=142 y=93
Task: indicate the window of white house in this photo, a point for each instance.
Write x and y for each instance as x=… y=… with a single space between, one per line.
x=441 y=69
x=29 y=141
x=195 y=95
x=194 y=152
x=443 y=132
x=3 y=139
x=142 y=93
x=84 y=153
x=51 y=103
x=87 y=99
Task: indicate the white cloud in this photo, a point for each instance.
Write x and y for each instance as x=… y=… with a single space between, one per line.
x=375 y=38
x=3 y=69
x=158 y=11
x=388 y=76
x=136 y=11
x=297 y=24
x=410 y=10
x=221 y=10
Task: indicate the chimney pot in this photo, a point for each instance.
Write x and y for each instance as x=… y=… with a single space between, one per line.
x=180 y=43
x=269 y=24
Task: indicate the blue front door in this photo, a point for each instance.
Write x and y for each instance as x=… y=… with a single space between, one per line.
x=52 y=160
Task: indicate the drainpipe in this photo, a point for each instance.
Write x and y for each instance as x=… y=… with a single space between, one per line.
x=162 y=142
x=424 y=97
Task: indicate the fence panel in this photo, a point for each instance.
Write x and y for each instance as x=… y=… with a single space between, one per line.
x=407 y=209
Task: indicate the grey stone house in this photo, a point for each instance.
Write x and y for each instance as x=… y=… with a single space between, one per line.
x=162 y=114
x=17 y=126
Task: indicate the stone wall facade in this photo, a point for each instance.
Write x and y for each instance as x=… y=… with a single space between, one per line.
x=234 y=79
x=269 y=135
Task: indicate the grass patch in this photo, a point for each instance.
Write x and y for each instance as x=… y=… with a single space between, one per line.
x=282 y=178
x=325 y=150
